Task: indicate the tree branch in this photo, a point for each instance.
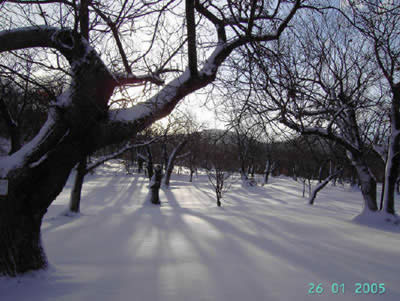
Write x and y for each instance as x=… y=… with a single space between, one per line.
x=111 y=156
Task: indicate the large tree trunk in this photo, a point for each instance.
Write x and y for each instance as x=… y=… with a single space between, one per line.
x=75 y=200
x=391 y=172
x=367 y=181
x=31 y=191
x=20 y=242
x=44 y=164
x=393 y=157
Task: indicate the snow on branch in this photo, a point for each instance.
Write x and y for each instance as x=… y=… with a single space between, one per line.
x=155 y=104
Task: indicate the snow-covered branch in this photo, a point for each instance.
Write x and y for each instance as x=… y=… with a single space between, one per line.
x=33 y=151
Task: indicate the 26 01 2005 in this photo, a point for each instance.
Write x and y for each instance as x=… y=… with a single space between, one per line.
x=359 y=288
x=373 y=288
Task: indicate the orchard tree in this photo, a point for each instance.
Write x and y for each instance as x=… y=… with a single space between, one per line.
x=219 y=163
x=96 y=44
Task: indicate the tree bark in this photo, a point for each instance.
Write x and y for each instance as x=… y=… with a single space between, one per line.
x=75 y=201
x=31 y=191
x=367 y=181
x=20 y=241
x=155 y=185
x=393 y=157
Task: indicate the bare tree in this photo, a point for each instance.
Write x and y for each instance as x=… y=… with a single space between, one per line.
x=219 y=163
x=219 y=180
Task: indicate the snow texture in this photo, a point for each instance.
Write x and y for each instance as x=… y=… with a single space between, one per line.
x=210 y=67
x=262 y=244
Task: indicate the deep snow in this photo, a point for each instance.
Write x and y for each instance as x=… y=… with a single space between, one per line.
x=265 y=243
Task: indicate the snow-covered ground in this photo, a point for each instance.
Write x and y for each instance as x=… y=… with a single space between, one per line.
x=264 y=244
